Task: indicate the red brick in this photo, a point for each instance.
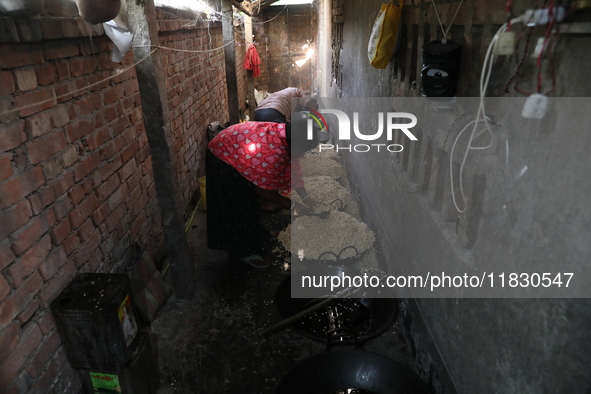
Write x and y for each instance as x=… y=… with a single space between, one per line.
x=112 y=95
x=63 y=69
x=51 y=265
x=97 y=138
x=133 y=197
x=69 y=27
x=134 y=180
x=71 y=244
x=46 y=323
x=52 y=168
x=56 y=284
x=70 y=156
x=5 y=167
x=50 y=27
x=109 y=114
x=20 y=299
x=127 y=170
x=36 y=204
x=109 y=169
x=42 y=98
x=83 y=211
x=13 y=135
x=76 y=194
x=27 y=235
x=60 y=232
x=88 y=105
x=118 y=196
x=4 y=288
x=59 y=116
x=140 y=204
x=114 y=219
x=86 y=166
x=129 y=151
x=20 y=186
x=86 y=230
x=99 y=81
x=6 y=83
x=75 y=131
x=6 y=255
x=9 y=337
x=56 y=189
x=44 y=353
x=112 y=148
x=147 y=166
x=82 y=66
x=62 y=208
x=28 y=313
x=128 y=104
x=89 y=184
x=108 y=187
x=29 y=262
x=101 y=213
x=26 y=79
x=29 y=341
x=88 y=249
x=42 y=148
x=143 y=154
x=15 y=55
x=138 y=223
x=39 y=124
x=121 y=124
x=48 y=377
x=46 y=74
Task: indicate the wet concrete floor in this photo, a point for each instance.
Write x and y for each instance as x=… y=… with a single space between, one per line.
x=212 y=343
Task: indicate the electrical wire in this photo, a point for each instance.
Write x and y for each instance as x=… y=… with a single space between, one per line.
x=480 y=117
x=183 y=50
x=267 y=21
x=445 y=32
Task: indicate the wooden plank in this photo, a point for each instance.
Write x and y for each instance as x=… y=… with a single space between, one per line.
x=152 y=86
x=230 y=60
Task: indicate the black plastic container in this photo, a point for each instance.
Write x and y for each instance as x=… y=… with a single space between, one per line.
x=140 y=376
x=346 y=371
x=97 y=322
x=360 y=319
x=441 y=68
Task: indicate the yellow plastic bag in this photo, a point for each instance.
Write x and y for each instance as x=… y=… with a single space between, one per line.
x=203 y=192
x=385 y=35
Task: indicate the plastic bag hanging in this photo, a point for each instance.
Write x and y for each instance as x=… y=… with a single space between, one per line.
x=385 y=35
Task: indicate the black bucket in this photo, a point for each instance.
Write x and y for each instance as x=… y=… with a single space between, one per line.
x=351 y=371
x=344 y=321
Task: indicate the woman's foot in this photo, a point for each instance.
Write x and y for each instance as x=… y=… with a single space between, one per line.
x=256 y=261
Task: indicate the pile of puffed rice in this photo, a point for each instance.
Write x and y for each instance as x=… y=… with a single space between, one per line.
x=313 y=164
x=309 y=237
x=325 y=190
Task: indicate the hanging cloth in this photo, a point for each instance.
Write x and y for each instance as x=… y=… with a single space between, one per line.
x=252 y=60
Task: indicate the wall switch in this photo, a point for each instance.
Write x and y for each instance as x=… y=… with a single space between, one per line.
x=535 y=106
x=505 y=44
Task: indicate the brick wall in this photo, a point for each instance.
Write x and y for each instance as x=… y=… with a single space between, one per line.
x=196 y=85
x=76 y=186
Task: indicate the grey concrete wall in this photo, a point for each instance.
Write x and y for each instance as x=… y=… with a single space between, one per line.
x=481 y=345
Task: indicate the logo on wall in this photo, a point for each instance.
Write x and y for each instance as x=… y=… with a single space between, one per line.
x=387 y=121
